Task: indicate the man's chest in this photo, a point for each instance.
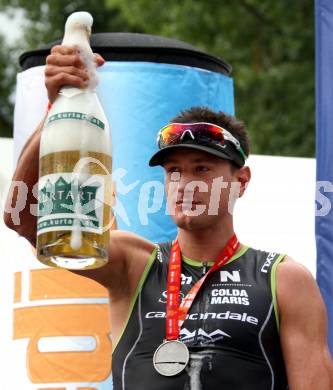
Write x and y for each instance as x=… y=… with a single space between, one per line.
x=229 y=310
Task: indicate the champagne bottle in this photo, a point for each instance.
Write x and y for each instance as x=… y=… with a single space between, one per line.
x=74 y=188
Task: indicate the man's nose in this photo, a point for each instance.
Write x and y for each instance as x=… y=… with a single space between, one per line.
x=183 y=184
x=182 y=180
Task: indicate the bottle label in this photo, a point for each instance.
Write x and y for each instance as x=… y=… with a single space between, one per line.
x=76 y=116
x=67 y=199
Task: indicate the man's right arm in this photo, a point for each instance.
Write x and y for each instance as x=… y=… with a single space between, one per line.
x=128 y=253
x=64 y=66
x=20 y=198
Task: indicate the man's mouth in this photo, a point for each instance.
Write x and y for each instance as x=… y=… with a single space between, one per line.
x=187 y=202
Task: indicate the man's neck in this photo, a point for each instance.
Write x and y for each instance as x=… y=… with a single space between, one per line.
x=204 y=245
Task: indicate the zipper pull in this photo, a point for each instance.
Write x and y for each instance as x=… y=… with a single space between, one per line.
x=204 y=269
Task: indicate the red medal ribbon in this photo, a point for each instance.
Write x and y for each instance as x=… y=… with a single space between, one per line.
x=176 y=312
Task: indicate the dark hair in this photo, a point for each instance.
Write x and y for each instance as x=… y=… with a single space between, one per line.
x=232 y=124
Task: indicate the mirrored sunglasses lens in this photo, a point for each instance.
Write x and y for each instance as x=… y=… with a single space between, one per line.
x=171 y=135
x=210 y=133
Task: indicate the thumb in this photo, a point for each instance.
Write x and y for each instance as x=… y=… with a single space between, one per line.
x=99 y=59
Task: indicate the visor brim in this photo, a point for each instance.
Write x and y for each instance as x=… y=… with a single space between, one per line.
x=159 y=157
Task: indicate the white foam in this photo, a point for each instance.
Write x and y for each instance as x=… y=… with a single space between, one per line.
x=77 y=33
x=76 y=134
x=71 y=137
x=81 y=19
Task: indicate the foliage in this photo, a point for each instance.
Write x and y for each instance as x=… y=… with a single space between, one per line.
x=270 y=45
x=7 y=80
x=44 y=22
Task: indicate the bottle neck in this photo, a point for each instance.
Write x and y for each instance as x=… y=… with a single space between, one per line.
x=77 y=37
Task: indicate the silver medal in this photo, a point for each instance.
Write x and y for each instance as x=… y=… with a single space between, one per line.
x=171 y=358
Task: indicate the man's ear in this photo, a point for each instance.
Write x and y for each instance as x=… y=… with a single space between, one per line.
x=243 y=177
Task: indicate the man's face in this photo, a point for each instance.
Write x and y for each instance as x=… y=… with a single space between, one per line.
x=201 y=188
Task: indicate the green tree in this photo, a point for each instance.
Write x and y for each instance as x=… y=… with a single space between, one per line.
x=270 y=45
x=44 y=22
x=7 y=81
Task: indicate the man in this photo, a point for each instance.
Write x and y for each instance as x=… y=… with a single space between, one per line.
x=256 y=322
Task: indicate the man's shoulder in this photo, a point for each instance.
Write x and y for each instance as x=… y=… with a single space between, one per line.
x=293 y=279
x=292 y=272
x=287 y=266
x=131 y=242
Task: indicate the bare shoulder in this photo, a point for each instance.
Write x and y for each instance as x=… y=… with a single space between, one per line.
x=130 y=242
x=293 y=277
x=295 y=286
x=298 y=295
x=128 y=256
x=136 y=251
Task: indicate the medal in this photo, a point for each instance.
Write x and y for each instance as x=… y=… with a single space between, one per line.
x=171 y=358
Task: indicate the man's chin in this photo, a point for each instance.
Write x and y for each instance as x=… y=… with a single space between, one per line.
x=187 y=222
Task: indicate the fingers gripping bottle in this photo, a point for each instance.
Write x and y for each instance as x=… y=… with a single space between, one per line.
x=74 y=188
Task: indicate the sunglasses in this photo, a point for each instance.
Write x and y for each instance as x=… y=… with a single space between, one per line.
x=201 y=133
